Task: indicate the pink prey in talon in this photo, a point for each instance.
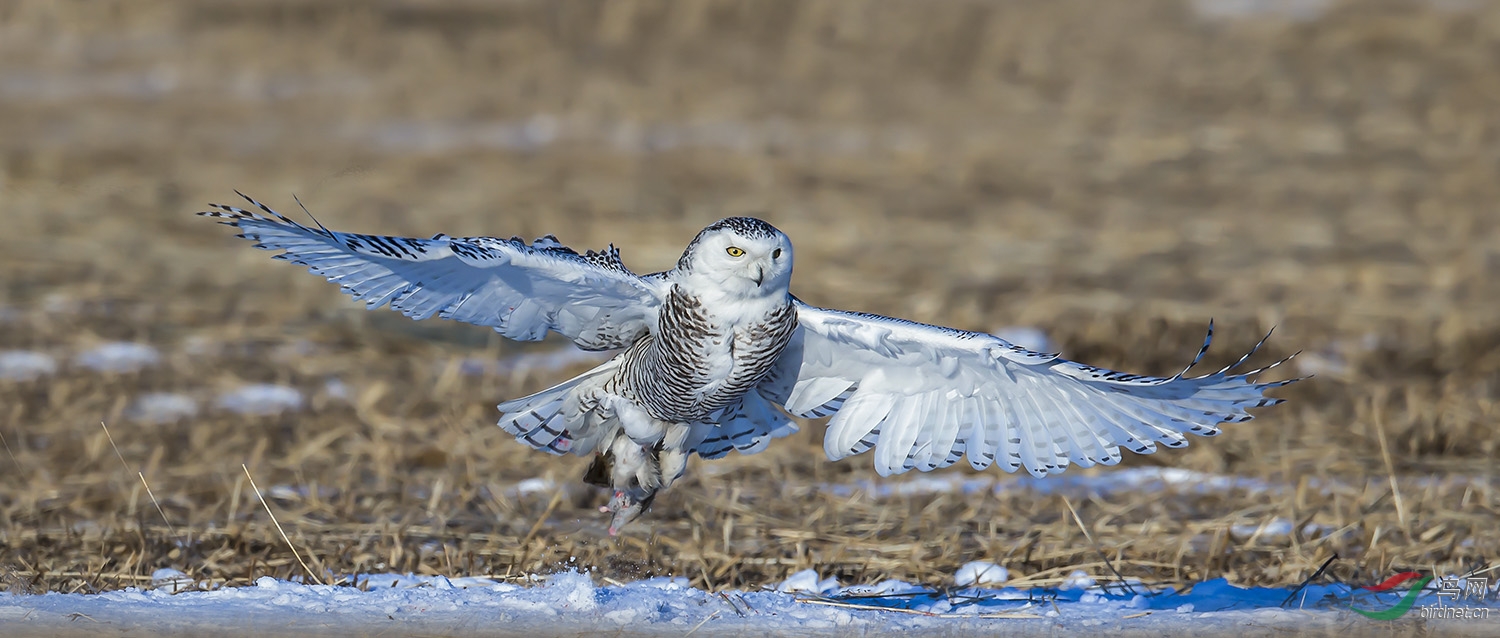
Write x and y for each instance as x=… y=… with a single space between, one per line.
x=628 y=498
x=605 y=509
x=625 y=508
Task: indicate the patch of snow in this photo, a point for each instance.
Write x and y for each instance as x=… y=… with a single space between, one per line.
x=300 y=492
x=1277 y=528
x=622 y=617
x=577 y=591
x=980 y=573
x=890 y=587
x=570 y=603
x=666 y=583
x=533 y=486
x=1027 y=337
x=1144 y=479
x=1078 y=579
x=1315 y=530
x=807 y=581
x=261 y=399
x=337 y=390
x=171 y=580
x=409 y=581
x=118 y=356
x=26 y=365
x=1298 y=10
x=914 y=486
x=1322 y=364
x=1178 y=477
x=295 y=350
x=160 y=408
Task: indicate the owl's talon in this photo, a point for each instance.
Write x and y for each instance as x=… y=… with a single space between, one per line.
x=626 y=506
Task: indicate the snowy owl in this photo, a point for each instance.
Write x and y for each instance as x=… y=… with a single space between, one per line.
x=716 y=353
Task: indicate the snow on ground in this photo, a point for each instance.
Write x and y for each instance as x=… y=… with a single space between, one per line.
x=1117 y=480
x=161 y=408
x=261 y=399
x=1026 y=336
x=118 y=356
x=980 y=573
x=572 y=603
x=534 y=486
x=1299 y=10
x=337 y=390
x=26 y=365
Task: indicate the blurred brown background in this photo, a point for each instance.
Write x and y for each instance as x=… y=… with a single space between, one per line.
x=1113 y=173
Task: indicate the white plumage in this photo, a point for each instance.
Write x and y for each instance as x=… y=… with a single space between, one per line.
x=923 y=396
x=715 y=348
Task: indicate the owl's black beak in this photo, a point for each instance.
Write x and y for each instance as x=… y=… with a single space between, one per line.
x=760 y=275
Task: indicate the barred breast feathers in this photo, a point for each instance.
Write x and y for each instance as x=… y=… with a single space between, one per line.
x=695 y=364
x=756 y=349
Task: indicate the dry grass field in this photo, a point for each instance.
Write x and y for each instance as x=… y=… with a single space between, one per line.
x=1114 y=173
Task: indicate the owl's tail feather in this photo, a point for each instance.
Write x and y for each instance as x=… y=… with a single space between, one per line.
x=541 y=420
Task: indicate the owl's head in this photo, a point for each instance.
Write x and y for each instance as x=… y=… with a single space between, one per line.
x=741 y=254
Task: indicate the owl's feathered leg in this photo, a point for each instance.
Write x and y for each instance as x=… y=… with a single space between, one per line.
x=672 y=453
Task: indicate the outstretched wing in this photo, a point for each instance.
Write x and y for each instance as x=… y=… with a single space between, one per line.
x=520 y=290
x=924 y=396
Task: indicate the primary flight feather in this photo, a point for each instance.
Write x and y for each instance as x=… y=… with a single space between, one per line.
x=717 y=352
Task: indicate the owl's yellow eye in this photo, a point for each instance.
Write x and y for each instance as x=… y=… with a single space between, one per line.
x=734 y=251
